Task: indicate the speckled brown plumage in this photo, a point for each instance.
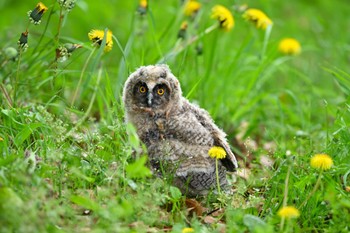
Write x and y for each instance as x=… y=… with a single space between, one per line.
x=178 y=134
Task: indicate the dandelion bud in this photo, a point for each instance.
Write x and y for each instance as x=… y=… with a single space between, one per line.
x=142 y=8
x=63 y=52
x=199 y=49
x=72 y=47
x=241 y=7
x=11 y=53
x=23 y=40
x=36 y=14
x=67 y=4
x=182 y=32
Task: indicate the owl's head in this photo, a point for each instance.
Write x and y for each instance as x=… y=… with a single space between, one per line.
x=152 y=87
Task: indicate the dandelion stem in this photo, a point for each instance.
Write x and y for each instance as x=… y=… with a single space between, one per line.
x=285 y=195
x=44 y=31
x=15 y=86
x=282 y=223
x=313 y=190
x=197 y=37
x=59 y=25
x=326 y=121
x=92 y=100
x=57 y=39
x=217 y=174
x=81 y=76
x=180 y=47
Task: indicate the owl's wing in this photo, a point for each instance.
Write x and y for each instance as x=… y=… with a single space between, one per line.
x=229 y=161
x=219 y=136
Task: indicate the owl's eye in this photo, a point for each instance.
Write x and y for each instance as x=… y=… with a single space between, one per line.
x=160 y=91
x=142 y=89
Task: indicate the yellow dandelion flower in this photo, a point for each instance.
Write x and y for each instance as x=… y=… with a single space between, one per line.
x=1 y=139
x=288 y=212
x=289 y=46
x=96 y=36
x=187 y=230
x=142 y=8
x=224 y=16
x=217 y=152
x=41 y=7
x=321 y=161
x=257 y=17
x=347 y=188
x=36 y=14
x=143 y=3
x=191 y=7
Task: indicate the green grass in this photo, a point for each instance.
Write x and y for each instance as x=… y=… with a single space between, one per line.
x=79 y=168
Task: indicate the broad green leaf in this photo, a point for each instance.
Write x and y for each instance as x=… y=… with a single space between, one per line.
x=85 y=202
x=255 y=224
x=138 y=169
x=175 y=193
x=10 y=205
x=75 y=171
x=133 y=137
x=26 y=132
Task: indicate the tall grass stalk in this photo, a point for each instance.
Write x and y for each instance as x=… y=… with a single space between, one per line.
x=88 y=110
x=181 y=46
x=6 y=95
x=59 y=25
x=81 y=76
x=266 y=40
x=15 y=86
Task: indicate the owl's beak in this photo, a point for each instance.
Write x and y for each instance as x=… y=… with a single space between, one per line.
x=149 y=99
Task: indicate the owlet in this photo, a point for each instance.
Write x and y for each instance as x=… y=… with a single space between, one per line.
x=177 y=133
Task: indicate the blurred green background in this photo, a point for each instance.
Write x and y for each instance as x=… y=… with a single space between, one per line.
x=322 y=27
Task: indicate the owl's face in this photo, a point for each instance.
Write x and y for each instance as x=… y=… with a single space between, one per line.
x=151 y=95
x=152 y=87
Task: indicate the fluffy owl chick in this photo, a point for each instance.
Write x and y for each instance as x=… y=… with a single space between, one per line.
x=178 y=134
